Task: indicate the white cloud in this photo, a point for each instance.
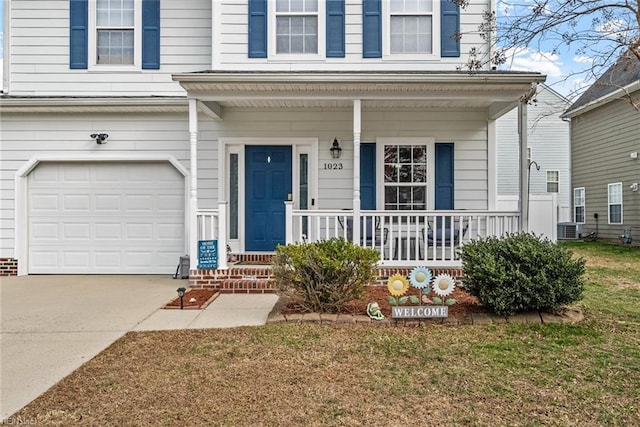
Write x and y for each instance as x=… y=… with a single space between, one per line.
x=1 y=72
x=582 y=59
x=529 y=60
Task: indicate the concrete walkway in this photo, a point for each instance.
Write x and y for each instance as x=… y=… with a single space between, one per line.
x=51 y=325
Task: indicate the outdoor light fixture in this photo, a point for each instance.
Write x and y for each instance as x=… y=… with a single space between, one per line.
x=335 y=149
x=181 y=292
x=101 y=138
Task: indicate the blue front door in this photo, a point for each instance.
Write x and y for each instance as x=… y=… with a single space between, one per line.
x=268 y=184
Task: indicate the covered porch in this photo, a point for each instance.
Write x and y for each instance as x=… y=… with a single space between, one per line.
x=404 y=211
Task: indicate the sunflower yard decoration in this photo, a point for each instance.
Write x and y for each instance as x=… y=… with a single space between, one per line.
x=420 y=278
x=398 y=286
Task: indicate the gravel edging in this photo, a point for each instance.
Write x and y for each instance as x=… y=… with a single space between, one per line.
x=571 y=315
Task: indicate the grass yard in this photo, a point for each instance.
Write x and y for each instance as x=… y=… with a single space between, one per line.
x=309 y=374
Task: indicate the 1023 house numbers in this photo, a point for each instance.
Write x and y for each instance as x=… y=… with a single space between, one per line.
x=333 y=166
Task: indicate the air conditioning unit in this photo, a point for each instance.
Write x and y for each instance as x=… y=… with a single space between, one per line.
x=569 y=231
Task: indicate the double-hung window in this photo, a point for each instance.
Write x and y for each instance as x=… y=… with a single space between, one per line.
x=405 y=176
x=579 y=205
x=411 y=26
x=115 y=32
x=614 y=196
x=297 y=23
x=553 y=178
x=114 y=35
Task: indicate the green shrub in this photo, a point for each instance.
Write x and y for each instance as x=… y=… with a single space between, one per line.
x=325 y=274
x=521 y=273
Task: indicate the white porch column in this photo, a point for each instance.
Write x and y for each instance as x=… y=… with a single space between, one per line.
x=523 y=205
x=357 y=127
x=193 y=184
x=492 y=164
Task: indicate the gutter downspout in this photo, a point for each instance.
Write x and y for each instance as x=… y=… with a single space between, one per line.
x=523 y=207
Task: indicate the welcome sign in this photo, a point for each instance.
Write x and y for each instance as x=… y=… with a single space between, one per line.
x=419 y=312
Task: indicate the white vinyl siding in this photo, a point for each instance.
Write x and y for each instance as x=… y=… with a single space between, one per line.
x=40 y=52
x=25 y=136
x=579 y=200
x=614 y=203
x=230 y=30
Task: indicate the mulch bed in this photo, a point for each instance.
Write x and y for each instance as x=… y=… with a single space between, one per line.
x=195 y=299
x=465 y=303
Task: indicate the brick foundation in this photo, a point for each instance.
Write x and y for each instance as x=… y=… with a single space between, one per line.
x=8 y=267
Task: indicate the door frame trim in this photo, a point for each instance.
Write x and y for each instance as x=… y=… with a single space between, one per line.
x=21 y=227
x=303 y=145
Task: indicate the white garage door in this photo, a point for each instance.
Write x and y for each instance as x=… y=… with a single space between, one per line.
x=96 y=218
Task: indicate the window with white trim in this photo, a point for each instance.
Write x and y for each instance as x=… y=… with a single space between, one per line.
x=297 y=24
x=553 y=179
x=411 y=26
x=116 y=36
x=579 y=205
x=614 y=202
x=405 y=177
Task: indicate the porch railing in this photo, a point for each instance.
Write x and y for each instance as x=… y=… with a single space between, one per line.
x=208 y=226
x=403 y=238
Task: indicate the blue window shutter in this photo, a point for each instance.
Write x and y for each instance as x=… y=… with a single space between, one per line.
x=257 y=28
x=78 y=33
x=449 y=28
x=335 y=28
x=372 y=28
x=151 y=34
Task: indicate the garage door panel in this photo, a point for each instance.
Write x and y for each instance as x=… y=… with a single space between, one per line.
x=139 y=203
x=105 y=218
x=107 y=203
x=76 y=231
x=40 y=202
x=76 y=202
x=108 y=259
x=108 y=231
x=45 y=231
x=139 y=231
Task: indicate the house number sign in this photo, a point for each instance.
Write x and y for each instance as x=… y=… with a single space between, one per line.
x=333 y=166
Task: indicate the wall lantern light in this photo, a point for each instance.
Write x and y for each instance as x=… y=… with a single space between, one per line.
x=335 y=149
x=101 y=138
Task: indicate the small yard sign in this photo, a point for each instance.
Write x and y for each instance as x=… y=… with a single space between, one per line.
x=207 y=254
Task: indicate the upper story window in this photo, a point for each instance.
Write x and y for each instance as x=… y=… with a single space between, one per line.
x=115 y=30
x=411 y=26
x=410 y=29
x=553 y=178
x=614 y=196
x=579 y=205
x=296 y=26
x=114 y=35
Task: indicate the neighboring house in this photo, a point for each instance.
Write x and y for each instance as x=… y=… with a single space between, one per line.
x=605 y=153
x=133 y=129
x=548 y=146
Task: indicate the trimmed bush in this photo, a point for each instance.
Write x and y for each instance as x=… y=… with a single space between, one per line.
x=325 y=274
x=521 y=273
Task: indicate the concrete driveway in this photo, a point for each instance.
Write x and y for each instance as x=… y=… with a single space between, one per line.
x=53 y=324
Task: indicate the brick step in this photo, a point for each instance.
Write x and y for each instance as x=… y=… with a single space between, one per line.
x=239 y=286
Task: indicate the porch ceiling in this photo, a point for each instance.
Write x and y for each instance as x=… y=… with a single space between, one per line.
x=376 y=90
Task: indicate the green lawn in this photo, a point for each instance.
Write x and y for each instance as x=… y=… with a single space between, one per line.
x=309 y=374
